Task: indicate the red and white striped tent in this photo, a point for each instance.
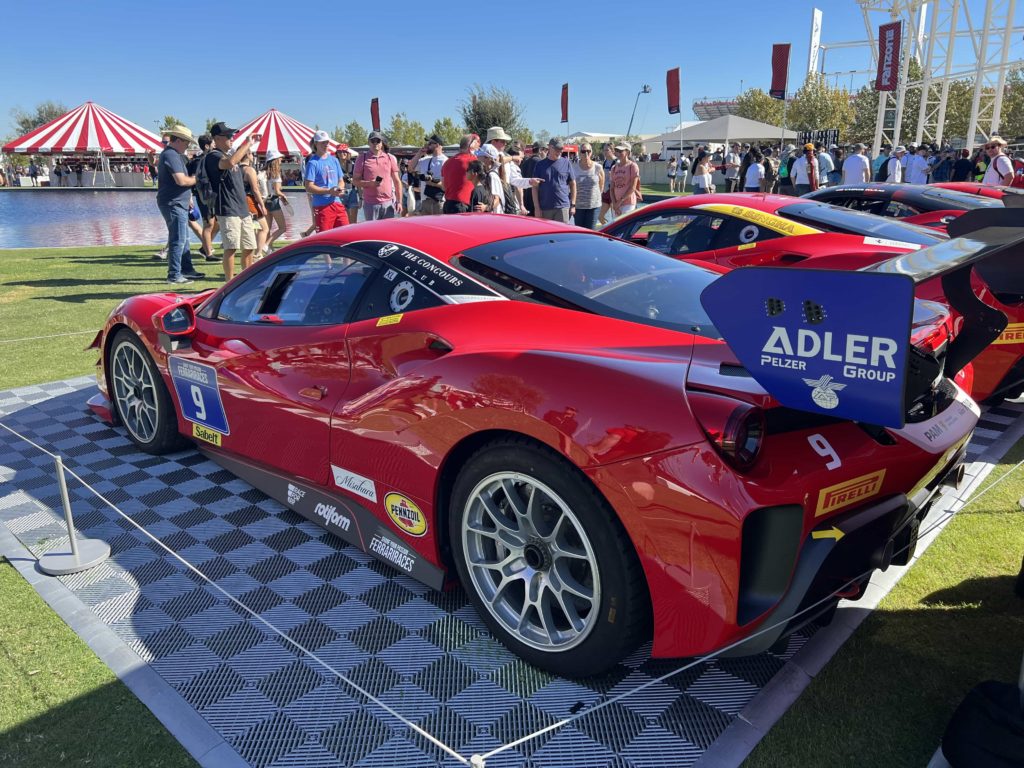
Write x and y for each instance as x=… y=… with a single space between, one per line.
x=279 y=131
x=88 y=129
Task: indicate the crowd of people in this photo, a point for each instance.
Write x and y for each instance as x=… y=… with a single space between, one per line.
x=799 y=171
x=217 y=188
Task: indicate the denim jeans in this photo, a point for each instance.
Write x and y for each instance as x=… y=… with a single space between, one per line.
x=586 y=218
x=802 y=189
x=179 y=258
x=372 y=212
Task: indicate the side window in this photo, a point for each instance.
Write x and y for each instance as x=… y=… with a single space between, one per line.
x=393 y=293
x=898 y=210
x=696 y=235
x=305 y=289
x=739 y=232
x=866 y=204
x=657 y=232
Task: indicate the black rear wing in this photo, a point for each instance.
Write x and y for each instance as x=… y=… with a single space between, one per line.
x=989 y=241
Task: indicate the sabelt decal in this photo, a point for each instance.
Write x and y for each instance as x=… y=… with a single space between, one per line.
x=202 y=433
x=849 y=492
x=389 y=320
x=397 y=554
x=769 y=220
x=1012 y=334
x=357 y=484
x=405 y=514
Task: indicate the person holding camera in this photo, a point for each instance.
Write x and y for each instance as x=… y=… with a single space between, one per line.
x=230 y=207
x=426 y=165
x=376 y=173
x=325 y=184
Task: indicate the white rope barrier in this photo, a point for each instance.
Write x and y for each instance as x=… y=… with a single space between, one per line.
x=478 y=760
x=51 y=336
x=369 y=696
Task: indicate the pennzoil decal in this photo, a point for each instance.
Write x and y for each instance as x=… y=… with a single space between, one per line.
x=1012 y=334
x=204 y=433
x=405 y=514
x=848 y=492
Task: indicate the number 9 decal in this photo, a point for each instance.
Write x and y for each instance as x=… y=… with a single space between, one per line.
x=197 y=398
x=822 y=447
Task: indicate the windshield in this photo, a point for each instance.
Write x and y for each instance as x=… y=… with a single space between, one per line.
x=853 y=222
x=598 y=274
x=960 y=200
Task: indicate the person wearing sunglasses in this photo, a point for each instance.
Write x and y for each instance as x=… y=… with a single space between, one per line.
x=376 y=173
x=589 y=183
x=1000 y=166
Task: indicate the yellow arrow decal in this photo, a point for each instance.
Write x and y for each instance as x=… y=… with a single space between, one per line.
x=831 y=533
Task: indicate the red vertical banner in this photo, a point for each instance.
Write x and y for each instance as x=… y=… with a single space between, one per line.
x=565 y=102
x=672 y=88
x=889 y=36
x=780 y=70
x=375 y=114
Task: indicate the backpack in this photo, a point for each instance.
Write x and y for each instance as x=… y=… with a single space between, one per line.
x=204 y=186
x=882 y=174
x=511 y=201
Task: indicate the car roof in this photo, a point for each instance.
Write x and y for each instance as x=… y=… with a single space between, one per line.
x=442 y=236
x=923 y=195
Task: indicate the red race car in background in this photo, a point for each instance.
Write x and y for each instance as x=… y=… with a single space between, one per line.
x=998 y=371
x=985 y=190
x=924 y=204
x=551 y=415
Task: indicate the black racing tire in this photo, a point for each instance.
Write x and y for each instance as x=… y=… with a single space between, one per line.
x=141 y=400
x=589 y=606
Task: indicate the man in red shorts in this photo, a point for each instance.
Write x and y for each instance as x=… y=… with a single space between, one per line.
x=325 y=183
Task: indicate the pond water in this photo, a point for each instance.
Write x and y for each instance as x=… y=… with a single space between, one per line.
x=72 y=217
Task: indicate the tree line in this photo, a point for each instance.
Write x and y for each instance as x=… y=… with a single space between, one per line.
x=817 y=106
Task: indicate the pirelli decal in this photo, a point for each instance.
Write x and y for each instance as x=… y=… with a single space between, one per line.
x=1012 y=334
x=849 y=492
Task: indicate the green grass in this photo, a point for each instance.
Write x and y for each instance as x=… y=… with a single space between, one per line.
x=59 y=704
x=951 y=622
x=51 y=291
x=662 y=189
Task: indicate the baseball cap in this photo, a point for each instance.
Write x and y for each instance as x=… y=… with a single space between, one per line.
x=537 y=146
x=489 y=151
x=808 y=146
x=435 y=139
x=221 y=129
x=375 y=135
x=321 y=136
x=621 y=146
x=273 y=154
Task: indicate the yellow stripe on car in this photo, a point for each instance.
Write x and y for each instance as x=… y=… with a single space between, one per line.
x=762 y=219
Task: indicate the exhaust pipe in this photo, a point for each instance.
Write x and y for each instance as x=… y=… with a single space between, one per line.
x=955 y=478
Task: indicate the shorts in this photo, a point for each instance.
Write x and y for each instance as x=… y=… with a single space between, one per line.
x=555 y=214
x=330 y=216
x=429 y=206
x=236 y=232
x=606 y=198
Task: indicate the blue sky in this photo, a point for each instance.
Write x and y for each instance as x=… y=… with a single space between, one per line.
x=323 y=66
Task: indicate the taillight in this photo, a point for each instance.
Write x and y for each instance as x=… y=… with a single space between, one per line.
x=930 y=329
x=735 y=428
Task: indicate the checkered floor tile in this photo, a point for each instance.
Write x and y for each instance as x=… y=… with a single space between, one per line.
x=423 y=653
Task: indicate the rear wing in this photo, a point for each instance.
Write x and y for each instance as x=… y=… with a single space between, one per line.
x=838 y=342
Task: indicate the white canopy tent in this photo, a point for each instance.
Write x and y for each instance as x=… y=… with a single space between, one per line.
x=722 y=130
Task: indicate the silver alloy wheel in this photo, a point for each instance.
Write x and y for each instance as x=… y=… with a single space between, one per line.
x=134 y=391
x=530 y=561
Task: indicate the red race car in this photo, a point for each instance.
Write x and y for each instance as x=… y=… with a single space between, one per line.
x=926 y=204
x=671 y=226
x=552 y=415
x=985 y=190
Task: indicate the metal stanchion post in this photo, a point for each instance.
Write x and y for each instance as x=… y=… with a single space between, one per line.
x=83 y=554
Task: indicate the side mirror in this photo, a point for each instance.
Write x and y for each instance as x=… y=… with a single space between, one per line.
x=177 y=320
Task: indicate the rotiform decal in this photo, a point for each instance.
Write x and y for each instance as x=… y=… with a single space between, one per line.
x=824 y=341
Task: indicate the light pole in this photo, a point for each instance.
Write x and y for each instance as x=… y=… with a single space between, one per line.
x=645 y=89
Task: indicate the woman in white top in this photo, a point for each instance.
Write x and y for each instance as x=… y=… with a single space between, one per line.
x=701 y=180
x=589 y=183
x=275 y=199
x=755 y=172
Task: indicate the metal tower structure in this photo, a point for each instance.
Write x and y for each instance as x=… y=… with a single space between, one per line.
x=932 y=29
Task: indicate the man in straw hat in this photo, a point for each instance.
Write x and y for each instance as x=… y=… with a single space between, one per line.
x=1000 y=166
x=174 y=199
